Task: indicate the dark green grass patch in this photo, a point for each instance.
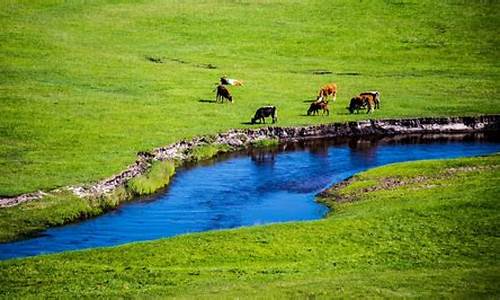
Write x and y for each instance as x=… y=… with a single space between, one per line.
x=429 y=238
x=86 y=85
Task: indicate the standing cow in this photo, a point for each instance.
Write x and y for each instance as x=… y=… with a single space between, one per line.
x=264 y=112
x=223 y=93
x=356 y=104
x=327 y=90
x=375 y=96
x=316 y=106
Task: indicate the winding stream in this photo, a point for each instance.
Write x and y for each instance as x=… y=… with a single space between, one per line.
x=245 y=189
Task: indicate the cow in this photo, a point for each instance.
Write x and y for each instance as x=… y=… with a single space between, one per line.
x=316 y=106
x=356 y=104
x=371 y=101
x=228 y=81
x=366 y=99
x=376 y=97
x=264 y=112
x=223 y=93
x=327 y=90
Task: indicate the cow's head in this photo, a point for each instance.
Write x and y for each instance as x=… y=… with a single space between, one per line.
x=352 y=105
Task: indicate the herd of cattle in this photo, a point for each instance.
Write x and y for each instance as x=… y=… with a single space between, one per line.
x=367 y=100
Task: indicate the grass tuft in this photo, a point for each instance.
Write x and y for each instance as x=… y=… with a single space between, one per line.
x=265 y=143
x=207 y=151
x=157 y=178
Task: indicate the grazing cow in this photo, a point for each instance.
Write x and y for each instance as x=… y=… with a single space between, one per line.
x=222 y=93
x=316 y=106
x=264 y=112
x=228 y=81
x=356 y=104
x=371 y=101
x=366 y=99
x=327 y=90
x=376 y=97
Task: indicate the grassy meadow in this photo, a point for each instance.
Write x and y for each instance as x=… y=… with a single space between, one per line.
x=434 y=236
x=85 y=85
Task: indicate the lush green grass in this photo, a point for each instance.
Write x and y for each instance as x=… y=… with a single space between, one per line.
x=437 y=237
x=156 y=178
x=80 y=96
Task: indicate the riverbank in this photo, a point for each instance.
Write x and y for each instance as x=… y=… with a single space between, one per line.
x=430 y=235
x=70 y=204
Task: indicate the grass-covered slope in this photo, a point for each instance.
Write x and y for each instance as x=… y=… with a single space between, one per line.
x=432 y=232
x=86 y=85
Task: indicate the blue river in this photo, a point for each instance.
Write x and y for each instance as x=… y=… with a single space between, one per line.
x=246 y=189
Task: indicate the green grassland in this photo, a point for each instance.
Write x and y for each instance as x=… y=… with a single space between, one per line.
x=434 y=236
x=85 y=85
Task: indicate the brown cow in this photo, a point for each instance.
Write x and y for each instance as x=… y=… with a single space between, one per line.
x=316 y=106
x=376 y=97
x=223 y=93
x=327 y=90
x=367 y=99
x=356 y=104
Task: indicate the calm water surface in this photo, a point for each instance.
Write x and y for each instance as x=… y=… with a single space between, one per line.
x=258 y=187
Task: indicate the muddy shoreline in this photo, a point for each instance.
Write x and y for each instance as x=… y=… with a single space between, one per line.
x=239 y=139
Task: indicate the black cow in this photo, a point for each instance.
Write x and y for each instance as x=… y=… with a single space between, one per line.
x=264 y=112
x=223 y=93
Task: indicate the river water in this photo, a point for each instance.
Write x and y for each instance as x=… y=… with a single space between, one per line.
x=249 y=188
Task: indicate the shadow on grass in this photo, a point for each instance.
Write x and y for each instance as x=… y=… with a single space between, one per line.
x=309 y=100
x=207 y=101
x=250 y=123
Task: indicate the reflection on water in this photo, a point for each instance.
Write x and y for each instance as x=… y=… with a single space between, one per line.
x=249 y=188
